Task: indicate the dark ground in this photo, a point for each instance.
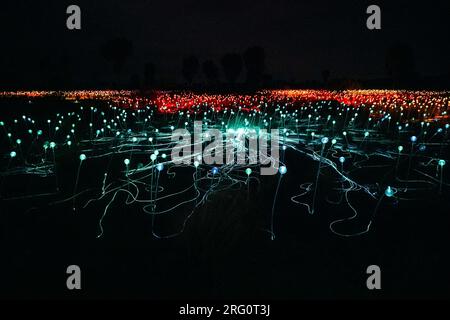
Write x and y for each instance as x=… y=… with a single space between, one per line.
x=223 y=252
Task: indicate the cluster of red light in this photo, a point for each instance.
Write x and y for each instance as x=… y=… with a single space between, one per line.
x=431 y=104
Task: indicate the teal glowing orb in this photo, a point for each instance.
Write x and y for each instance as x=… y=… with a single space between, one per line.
x=389 y=192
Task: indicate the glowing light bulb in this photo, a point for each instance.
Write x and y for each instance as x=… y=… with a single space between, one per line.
x=215 y=170
x=341 y=159
x=82 y=157
x=413 y=139
x=196 y=163
x=159 y=166
x=153 y=157
x=400 y=148
x=126 y=161
x=52 y=145
x=441 y=162
x=282 y=170
x=13 y=154
x=389 y=192
x=324 y=140
x=18 y=141
x=248 y=171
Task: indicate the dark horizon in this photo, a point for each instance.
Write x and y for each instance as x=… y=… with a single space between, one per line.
x=300 y=41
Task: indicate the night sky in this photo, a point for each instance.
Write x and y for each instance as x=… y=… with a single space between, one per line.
x=300 y=39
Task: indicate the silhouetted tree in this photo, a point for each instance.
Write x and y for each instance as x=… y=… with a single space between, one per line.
x=326 y=76
x=149 y=74
x=135 y=81
x=190 y=67
x=400 y=64
x=57 y=70
x=211 y=71
x=117 y=51
x=232 y=66
x=254 y=60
